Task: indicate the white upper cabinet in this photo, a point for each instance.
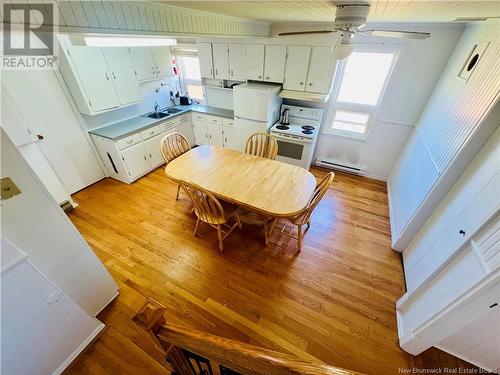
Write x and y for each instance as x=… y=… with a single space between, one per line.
x=95 y=79
x=319 y=75
x=237 y=53
x=221 y=60
x=144 y=64
x=206 y=61
x=255 y=61
x=297 y=62
x=274 y=63
x=120 y=65
x=162 y=58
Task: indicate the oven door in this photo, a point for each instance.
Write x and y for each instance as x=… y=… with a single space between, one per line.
x=293 y=150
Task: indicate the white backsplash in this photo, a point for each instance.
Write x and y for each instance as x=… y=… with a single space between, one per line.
x=152 y=92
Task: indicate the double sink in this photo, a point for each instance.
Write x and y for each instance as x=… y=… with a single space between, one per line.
x=161 y=114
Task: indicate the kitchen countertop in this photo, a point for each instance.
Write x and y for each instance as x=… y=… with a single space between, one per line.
x=132 y=125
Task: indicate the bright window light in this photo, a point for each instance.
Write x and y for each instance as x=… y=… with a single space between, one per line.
x=95 y=41
x=189 y=69
x=354 y=122
x=364 y=77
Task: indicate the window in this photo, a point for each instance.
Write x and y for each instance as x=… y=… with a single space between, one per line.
x=358 y=88
x=189 y=70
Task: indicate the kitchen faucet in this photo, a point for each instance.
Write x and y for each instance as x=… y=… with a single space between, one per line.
x=156 y=107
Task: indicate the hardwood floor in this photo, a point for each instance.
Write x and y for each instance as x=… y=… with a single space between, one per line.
x=334 y=301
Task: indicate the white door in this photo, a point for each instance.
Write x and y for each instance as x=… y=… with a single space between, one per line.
x=33 y=221
x=186 y=129
x=255 y=61
x=121 y=67
x=152 y=146
x=237 y=63
x=320 y=70
x=162 y=58
x=206 y=61
x=94 y=77
x=274 y=63
x=297 y=61
x=221 y=60
x=136 y=160
x=215 y=134
x=52 y=121
x=143 y=63
x=200 y=133
x=229 y=137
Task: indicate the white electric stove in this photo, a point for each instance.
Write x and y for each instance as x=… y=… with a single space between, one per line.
x=297 y=138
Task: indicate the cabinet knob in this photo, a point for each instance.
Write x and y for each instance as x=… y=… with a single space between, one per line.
x=260 y=77
x=301 y=83
x=40 y=137
x=310 y=84
x=267 y=77
x=107 y=77
x=462 y=232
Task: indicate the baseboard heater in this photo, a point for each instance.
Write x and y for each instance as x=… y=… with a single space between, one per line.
x=340 y=166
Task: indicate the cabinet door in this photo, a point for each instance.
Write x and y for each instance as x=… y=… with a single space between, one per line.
x=186 y=129
x=152 y=147
x=229 y=137
x=136 y=160
x=143 y=63
x=274 y=63
x=237 y=62
x=297 y=61
x=200 y=133
x=221 y=60
x=94 y=77
x=319 y=75
x=255 y=61
x=162 y=59
x=215 y=134
x=205 y=58
x=121 y=67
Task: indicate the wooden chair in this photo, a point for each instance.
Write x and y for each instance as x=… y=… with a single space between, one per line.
x=172 y=146
x=304 y=217
x=212 y=211
x=263 y=145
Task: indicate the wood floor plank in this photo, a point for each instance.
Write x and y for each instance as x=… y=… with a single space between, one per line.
x=334 y=301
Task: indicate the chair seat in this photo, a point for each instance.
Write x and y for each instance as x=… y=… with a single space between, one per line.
x=229 y=210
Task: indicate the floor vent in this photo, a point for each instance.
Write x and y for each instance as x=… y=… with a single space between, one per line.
x=339 y=166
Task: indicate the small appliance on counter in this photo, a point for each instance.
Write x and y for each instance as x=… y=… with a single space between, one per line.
x=297 y=133
x=185 y=100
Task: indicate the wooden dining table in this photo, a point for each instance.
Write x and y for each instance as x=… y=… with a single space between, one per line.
x=269 y=187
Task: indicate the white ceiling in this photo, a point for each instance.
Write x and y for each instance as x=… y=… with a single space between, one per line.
x=324 y=11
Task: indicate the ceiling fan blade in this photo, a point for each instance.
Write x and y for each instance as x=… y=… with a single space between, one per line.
x=306 y=32
x=398 y=34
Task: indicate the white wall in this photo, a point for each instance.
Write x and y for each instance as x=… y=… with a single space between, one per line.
x=417 y=70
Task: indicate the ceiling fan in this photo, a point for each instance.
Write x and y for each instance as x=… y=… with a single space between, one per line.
x=350 y=20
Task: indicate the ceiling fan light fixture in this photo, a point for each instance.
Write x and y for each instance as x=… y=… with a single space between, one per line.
x=343 y=50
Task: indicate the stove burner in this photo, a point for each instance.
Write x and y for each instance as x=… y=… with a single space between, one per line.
x=307 y=131
x=308 y=127
x=282 y=127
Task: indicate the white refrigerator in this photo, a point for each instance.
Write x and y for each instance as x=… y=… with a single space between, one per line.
x=256 y=109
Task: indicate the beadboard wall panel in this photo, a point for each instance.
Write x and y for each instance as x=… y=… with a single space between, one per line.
x=453 y=117
x=144 y=17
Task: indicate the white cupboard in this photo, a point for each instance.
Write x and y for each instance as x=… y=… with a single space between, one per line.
x=136 y=160
x=255 y=61
x=143 y=63
x=206 y=60
x=221 y=60
x=274 y=63
x=297 y=62
x=215 y=136
x=319 y=74
x=94 y=78
x=237 y=57
x=120 y=64
x=213 y=130
x=162 y=58
x=153 y=151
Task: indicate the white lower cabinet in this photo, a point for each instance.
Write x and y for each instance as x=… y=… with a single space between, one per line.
x=200 y=132
x=152 y=146
x=229 y=137
x=136 y=161
x=214 y=132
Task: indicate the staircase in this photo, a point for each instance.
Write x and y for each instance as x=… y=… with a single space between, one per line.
x=193 y=352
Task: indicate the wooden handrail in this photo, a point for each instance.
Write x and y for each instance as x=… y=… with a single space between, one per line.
x=236 y=355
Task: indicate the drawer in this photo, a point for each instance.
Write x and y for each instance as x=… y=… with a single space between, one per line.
x=151 y=132
x=199 y=117
x=227 y=122
x=129 y=141
x=168 y=126
x=214 y=120
x=183 y=119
